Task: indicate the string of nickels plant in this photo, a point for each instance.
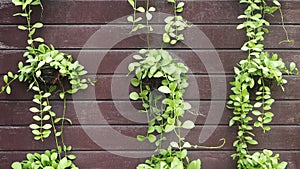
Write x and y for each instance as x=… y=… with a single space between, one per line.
x=256 y=73
x=61 y=67
x=169 y=81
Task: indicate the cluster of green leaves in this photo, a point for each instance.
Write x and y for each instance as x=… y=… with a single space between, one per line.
x=255 y=74
x=159 y=64
x=161 y=82
x=170 y=159
x=137 y=21
x=47 y=160
x=40 y=61
x=175 y=24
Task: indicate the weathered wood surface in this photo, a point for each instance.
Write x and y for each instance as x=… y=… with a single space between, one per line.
x=109 y=160
x=117 y=36
x=120 y=112
x=106 y=108
x=116 y=61
x=117 y=87
x=97 y=12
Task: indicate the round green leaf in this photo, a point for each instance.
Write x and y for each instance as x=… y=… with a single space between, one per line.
x=134 y=96
x=164 y=89
x=188 y=124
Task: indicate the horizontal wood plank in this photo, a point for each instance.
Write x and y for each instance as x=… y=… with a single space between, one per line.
x=117 y=87
x=124 y=138
x=61 y=12
x=125 y=113
x=116 y=61
x=109 y=160
x=118 y=36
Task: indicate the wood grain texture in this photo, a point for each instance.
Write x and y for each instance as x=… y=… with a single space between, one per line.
x=109 y=160
x=105 y=121
x=119 y=137
x=97 y=12
x=125 y=113
x=202 y=87
x=117 y=36
x=116 y=61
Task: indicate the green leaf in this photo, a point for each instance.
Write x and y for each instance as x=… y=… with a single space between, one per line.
x=196 y=164
x=134 y=96
x=135 y=82
x=292 y=66
x=253 y=142
x=34 y=110
x=137 y=57
x=172 y=1
x=48 y=167
x=47 y=126
x=166 y=38
x=71 y=157
x=158 y=74
x=141 y=138
x=131 y=67
x=186 y=106
x=169 y=128
x=282 y=165
x=180 y=4
x=188 y=124
x=34 y=126
x=151 y=138
x=63 y=163
x=141 y=9
x=151 y=9
x=39 y=39
x=37 y=25
x=8 y=90
x=21 y=27
x=256 y=112
x=186 y=145
x=5 y=78
x=131 y=2
x=47 y=108
x=16 y=165
x=174 y=144
x=257 y=105
x=148 y=16
x=164 y=89
x=62 y=95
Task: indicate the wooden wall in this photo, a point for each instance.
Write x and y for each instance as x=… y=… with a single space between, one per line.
x=70 y=23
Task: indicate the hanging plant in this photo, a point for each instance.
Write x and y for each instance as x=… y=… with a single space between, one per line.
x=47 y=71
x=161 y=82
x=256 y=73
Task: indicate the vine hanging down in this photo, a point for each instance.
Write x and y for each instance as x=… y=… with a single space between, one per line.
x=46 y=70
x=255 y=74
x=161 y=82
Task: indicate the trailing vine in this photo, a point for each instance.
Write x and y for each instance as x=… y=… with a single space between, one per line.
x=161 y=82
x=256 y=73
x=46 y=70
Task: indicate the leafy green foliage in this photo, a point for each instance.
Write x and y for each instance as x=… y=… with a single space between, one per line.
x=170 y=76
x=161 y=82
x=45 y=69
x=170 y=159
x=255 y=73
x=47 y=160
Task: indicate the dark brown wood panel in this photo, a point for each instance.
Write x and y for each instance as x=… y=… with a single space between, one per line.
x=105 y=137
x=110 y=160
x=97 y=12
x=119 y=112
x=117 y=36
x=106 y=122
x=118 y=87
x=116 y=61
